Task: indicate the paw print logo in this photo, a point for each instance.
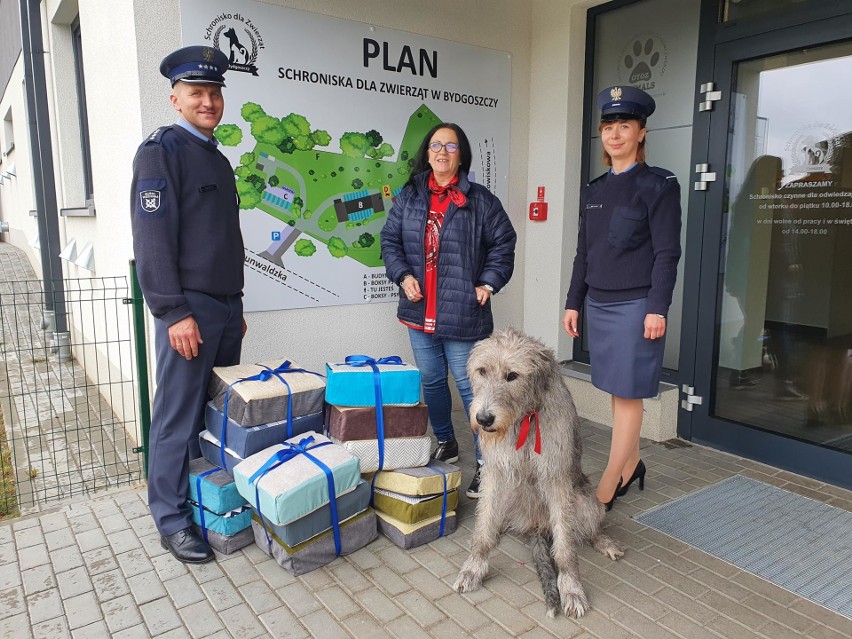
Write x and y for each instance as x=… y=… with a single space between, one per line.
x=641 y=61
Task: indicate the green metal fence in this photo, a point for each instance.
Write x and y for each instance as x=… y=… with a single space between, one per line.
x=72 y=411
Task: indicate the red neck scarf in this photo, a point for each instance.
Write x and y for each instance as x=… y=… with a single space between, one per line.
x=526 y=425
x=450 y=190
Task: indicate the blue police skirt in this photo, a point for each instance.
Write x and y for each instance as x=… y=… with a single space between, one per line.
x=624 y=363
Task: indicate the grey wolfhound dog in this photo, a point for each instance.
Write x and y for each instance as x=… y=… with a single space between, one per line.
x=545 y=495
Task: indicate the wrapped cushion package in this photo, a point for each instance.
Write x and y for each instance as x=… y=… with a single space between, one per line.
x=346 y=423
x=413 y=509
x=421 y=480
x=228 y=524
x=355 y=533
x=298 y=486
x=211 y=451
x=219 y=493
x=412 y=535
x=400 y=452
x=256 y=402
x=248 y=440
x=319 y=521
x=348 y=385
x=228 y=544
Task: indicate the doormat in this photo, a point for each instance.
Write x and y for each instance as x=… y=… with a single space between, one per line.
x=799 y=544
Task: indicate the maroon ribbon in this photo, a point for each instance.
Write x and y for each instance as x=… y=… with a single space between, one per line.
x=526 y=425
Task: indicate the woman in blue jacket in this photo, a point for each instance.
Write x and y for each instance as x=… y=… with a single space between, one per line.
x=449 y=244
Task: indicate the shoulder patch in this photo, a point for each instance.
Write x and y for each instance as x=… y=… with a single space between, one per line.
x=600 y=177
x=157 y=136
x=662 y=172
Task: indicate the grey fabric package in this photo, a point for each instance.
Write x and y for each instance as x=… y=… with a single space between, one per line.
x=319 y=521
x=252 y=403
x=227 y=544
x=355 y=533
x=413 y=535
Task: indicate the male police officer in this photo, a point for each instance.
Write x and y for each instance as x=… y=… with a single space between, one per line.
x=189 y=256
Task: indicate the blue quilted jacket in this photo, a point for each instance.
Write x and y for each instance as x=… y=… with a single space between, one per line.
x=476 y=246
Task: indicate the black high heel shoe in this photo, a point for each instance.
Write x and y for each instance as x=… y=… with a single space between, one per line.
x=638 y=473
x=608 y=505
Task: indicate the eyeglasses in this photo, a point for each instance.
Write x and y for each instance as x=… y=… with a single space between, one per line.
x=436 y=147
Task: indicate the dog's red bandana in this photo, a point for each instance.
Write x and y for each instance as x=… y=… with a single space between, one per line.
x=526 y=424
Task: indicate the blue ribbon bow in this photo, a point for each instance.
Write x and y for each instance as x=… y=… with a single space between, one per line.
x=363 y=360
x=281 y=457
x=262 y=376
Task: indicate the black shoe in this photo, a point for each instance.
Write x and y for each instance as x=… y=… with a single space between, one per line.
x=447 y=451
x=186 y=546
x=473 y=489
x=638 y=473
x=608 y=505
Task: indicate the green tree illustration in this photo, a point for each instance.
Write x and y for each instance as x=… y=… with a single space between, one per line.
x=229 y=134
x=248 y=159
x=337 y=247
x=287 y=145
x=366 y=240
x=354 y=145
x=321 y=138
x=249 y=195
x=296 y=125
x=268 y=130
x=257 y=181
x=252 y=111
x=304 y=248
x=374 y=137
x=274 y=180
x=357 y=184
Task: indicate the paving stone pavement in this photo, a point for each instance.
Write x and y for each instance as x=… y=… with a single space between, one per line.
x=94 y=568
x=64 y=436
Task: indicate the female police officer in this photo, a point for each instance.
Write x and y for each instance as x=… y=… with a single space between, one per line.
x=625 y=269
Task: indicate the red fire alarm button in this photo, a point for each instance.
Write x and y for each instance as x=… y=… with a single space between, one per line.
x=538 y=211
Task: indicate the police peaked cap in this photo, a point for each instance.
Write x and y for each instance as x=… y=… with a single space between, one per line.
x=195 y=64
x=625 y=103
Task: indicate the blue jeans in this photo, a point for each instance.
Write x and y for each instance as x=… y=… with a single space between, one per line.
x=434 y=356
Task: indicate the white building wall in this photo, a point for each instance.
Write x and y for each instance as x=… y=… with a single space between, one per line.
x=16 y=193
x=124 y=41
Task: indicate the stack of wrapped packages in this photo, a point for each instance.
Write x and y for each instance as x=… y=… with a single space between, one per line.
x=374 y=411
x=220 y=514
x=257 y=405
x=310 y=503
x=417 y=505
x=253 y=407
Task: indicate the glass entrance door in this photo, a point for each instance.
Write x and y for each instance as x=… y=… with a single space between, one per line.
x=774 y=359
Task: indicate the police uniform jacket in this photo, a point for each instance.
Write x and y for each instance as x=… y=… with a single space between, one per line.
x=186 y=230
x=476 y=246
x=629 y=240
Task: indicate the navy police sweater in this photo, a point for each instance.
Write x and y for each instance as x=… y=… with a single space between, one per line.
x=629 y=241
x=185 y=221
